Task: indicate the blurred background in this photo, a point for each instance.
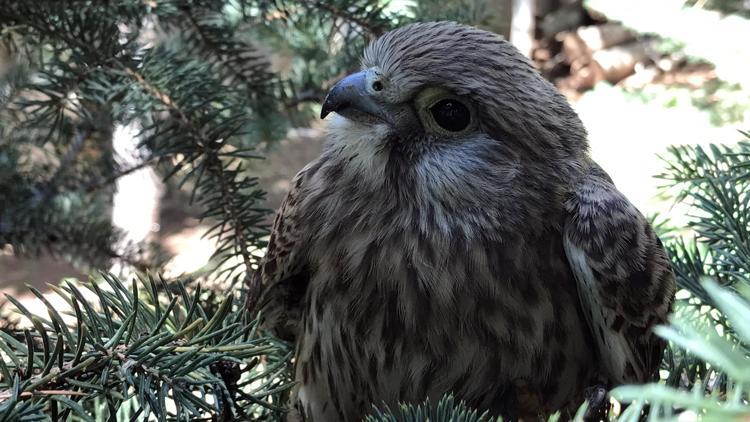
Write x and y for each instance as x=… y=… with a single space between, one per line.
x=643 y=75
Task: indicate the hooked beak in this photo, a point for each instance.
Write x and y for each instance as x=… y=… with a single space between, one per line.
x=351 y=98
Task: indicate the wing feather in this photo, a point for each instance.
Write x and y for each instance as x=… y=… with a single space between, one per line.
x=283 y=274
x=625 y=282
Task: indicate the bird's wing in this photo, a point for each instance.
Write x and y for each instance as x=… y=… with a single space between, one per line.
x=282 y=272
x=625 y=282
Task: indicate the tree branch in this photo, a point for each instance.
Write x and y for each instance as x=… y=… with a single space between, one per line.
x=341 y=13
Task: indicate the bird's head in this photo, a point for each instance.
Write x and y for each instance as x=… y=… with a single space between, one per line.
x=444 y=83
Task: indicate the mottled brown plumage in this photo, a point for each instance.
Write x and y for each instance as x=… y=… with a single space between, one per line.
x=454 y=236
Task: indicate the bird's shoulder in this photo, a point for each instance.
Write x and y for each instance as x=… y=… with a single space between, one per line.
x=284 y=232
x=624 y=276
x=282 y=275
x=620 y=246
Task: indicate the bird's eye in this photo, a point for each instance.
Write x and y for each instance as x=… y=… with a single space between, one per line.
x=377 y=86
x=451 y=115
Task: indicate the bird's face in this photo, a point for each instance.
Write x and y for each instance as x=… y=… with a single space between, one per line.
x=445 y=83
x=433 y=112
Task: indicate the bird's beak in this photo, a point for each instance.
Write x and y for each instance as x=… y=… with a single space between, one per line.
x=351 y=98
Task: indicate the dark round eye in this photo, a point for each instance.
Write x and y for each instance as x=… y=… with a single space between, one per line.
x=377 y=86
x=451 y=115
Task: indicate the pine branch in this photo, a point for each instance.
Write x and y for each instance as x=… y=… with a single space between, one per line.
x=162 y=346
x=241 y=242
x=709 y=341
x=701 y=339
x=446 y=410
x=4 y=395
x=129 y=68
x=363 y=20
x=717 y=184
x=94 y=186
x=238 y=59
x=208 y=160
x=308 y=96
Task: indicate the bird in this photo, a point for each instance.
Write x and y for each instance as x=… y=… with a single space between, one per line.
x=455 y=237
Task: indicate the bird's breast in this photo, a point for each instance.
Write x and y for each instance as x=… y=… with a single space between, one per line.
x=435 y=279
x=393 y=315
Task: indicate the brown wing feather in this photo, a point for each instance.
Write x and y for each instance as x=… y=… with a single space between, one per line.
x=625 y=282
x=282 y=273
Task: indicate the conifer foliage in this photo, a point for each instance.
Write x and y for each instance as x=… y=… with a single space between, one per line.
x=153 y=348
x=193 y=76
x=706 y=364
